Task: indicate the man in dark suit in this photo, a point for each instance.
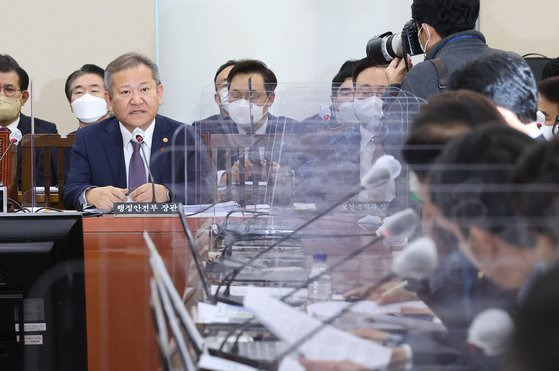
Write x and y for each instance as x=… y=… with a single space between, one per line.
x=14 y=82
x=263 y=83
x=107 y=166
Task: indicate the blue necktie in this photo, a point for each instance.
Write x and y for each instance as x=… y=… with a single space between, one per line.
x=136 y=170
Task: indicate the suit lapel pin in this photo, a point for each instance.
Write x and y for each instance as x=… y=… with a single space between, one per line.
x=165 y=140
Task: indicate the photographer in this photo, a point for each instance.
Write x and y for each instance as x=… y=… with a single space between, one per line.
x=445 y=30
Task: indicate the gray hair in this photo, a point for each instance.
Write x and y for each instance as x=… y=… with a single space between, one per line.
x=129 y=60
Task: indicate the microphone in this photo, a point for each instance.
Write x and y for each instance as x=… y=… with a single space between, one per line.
x=490 y=331
x=418 y=256
x=15 y=138
x=378 y=175
x=138 y=137
x=402 y=224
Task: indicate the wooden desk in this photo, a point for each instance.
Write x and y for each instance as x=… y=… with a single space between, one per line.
x=120 y=332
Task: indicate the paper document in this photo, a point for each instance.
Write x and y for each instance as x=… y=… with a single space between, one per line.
x=329 y=308
x=290 y=325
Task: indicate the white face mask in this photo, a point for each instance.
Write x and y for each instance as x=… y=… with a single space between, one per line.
x=224 y=97
x=368 y=112
x=424 y=47
x=240 y=111
x=346 y=113
x=89 y=108
x=547 y=131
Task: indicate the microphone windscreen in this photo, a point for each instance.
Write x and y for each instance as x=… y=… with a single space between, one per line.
x=490 y=331
x=400 y=225
x=393 y=165
x=417 y=260
x=15 y=134
x=377 y=176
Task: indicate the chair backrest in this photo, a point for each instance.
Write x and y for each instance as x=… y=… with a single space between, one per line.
x=8 y=164
x=48 y=163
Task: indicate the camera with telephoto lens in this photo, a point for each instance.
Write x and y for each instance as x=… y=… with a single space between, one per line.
x=384 y=48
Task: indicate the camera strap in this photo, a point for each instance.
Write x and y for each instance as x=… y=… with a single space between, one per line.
x=442 y=72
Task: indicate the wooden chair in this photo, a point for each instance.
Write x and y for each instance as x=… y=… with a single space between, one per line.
x=50 y=149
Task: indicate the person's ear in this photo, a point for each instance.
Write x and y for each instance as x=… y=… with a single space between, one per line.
x=160 y=92
x=109 y=100
x=24 y=97
x=271 y=99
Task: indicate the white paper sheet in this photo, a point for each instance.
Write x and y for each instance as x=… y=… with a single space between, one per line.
x=210 y=362
x=329 y=308
x=290 y=325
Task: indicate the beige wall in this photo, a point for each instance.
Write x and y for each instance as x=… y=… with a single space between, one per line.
x=522 y=26
x=51 y=39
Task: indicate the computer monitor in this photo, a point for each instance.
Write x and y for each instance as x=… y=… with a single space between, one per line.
x=42 y=292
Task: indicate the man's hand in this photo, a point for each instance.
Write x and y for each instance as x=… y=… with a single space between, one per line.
x=105 y=197
x=396 y=71
x=144 y=193
x=249 y=170
x=236 y=168
x=382 y=295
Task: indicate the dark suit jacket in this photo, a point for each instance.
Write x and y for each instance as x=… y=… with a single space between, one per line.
x=219 y=125
x=98 y=160
x=41 y=127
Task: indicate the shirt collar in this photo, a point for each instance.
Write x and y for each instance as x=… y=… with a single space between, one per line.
x=14 y=124
x=127 y=135
x=260 y=131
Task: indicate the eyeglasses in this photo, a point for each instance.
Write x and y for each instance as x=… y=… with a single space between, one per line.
x=9 y=91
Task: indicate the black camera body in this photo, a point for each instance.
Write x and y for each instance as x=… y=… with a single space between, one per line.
x=382 y=49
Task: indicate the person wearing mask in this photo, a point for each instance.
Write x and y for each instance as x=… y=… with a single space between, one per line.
x=509 y=82
x=548 y=105
x=85 y=92
x=477 y=200
x=14 y=82
x=221 y=98
x=108 y=166
x=249 y=112
x=447 y=36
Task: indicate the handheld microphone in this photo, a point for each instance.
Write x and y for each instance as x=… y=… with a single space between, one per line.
x=418 y=256
x=15 y=138
x=138 y=137
x=376 y=176
x=402 y=224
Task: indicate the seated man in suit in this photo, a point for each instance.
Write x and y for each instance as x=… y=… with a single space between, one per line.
x=85 y=91
x=107 y=166
x=14 y=82
x=262 y=95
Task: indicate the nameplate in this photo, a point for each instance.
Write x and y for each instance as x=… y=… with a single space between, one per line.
x=145 y=209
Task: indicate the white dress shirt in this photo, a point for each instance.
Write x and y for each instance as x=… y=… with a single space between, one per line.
x=129 y=149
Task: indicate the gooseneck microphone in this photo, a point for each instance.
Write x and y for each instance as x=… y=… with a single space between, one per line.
x=401 y=225
x=377 y=176
x=420 y=257
x=138 y=137
x=15 y=138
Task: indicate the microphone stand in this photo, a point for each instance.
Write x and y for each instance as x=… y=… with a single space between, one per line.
x=231 y=276
x=148 y=166
x=303 y=285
